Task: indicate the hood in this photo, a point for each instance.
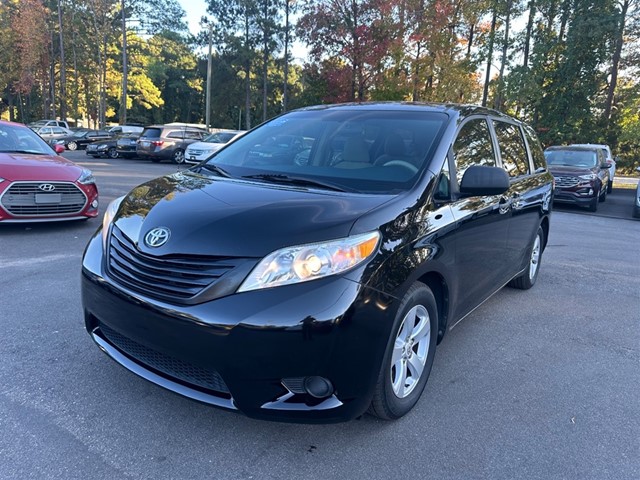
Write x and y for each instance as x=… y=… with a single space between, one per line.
x=566 y=170
x=225 y=217
x=50 y=168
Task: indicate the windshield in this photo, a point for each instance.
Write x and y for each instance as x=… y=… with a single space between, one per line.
x=23 y=140
x=220 y=137
x=81 y=133
x=359 y=150
x=572 y=158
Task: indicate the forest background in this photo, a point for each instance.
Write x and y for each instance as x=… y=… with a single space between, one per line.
x=569 y=68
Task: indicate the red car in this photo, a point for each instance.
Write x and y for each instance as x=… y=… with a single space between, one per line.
x=37 y=185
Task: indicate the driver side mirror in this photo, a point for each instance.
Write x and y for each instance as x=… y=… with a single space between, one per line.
x=481 y=180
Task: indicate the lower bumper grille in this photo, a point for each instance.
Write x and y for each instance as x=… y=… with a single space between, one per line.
x=177 y=369
x=28 y=199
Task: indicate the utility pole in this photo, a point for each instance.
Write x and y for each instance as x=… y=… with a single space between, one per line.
x=125 y=71
x=209 y=60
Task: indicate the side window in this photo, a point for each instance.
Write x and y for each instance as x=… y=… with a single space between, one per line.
x=514 y=154
x=539 y=162
x=176 y=134
x=193 y=134
x=473 y=146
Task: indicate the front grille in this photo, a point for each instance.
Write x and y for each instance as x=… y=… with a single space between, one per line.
x=566 y=181
x=194 y=153
x=26 y=199
x=178 y=369
x=171 y=277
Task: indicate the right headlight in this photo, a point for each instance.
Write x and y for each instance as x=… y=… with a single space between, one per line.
x=109 y=215
x=303 y=263
x=591 y=176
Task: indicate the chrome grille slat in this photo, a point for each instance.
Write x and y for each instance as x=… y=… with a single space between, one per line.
x=566 y=181
x=175 y=277
x=20 y=199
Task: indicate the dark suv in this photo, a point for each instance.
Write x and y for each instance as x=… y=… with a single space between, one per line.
x=581 y=174
x=307 y=271
x=164 y=142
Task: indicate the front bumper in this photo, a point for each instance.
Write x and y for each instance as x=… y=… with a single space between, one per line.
x=244 y=345
x=582 y=195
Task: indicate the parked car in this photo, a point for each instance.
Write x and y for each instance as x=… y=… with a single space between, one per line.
x=49 y=123
x=581 y=175
x=120 y=129
x=52 y=133
x=37 y=185
x=636 y=207
x=126 y=145
x=609 y=159
x=109 y=147
x=162 y=142
x=81 y=138
x=196 y=152
x=315 y=287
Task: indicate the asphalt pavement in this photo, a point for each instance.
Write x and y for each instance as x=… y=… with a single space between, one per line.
x=537 y=384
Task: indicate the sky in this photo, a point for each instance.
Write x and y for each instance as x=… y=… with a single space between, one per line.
x=197 y=8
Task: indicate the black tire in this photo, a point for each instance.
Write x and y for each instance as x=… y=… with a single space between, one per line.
x=112 y=153
x=72 y=146
x=527 y=279
x=593 y=206
x=386 y=403
x=609 y=186
x=178 y=156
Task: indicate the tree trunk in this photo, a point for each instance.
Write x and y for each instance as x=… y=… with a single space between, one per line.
x=63 y=68
x=505 y=45
x=247 y=71
x=122 y=116
x=617 y=52
x=492 y=33
x=527 y=38
x=285 y=86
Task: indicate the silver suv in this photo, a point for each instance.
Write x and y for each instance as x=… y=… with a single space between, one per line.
x=162 y=142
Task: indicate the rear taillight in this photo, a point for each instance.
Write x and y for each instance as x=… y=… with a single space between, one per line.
x=157 y=143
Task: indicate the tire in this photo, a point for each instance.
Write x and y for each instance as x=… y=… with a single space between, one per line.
x=72 y=146
x=178 y=156
x=593 y=206
x=609 y=186
x=603 y=197
x=400 y=381
x=528 y=278
x=112 y=153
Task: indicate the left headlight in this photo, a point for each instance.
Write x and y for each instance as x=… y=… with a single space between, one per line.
x=303 y=263
x=591 y=176
x=86 y=177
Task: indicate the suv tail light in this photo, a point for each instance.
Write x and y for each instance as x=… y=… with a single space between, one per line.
x=157 y=143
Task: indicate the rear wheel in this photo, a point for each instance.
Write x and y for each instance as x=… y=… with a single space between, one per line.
x=72 y=146
x=527 y=279
x=409 y=356
x=178 y=156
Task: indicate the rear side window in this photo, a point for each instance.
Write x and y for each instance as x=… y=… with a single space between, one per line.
x=193 y=134
x=514 y=153
x=176 y=134
x=539 y=162
x=151 y=133
x=473 y=146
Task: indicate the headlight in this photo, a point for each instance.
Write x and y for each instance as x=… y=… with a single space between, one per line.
x=303 y=263
x=109 y=214
x=86 y=177
x=591 y=176
x=1 y=179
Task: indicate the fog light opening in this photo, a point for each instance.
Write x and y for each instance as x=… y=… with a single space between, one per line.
x=318 y=387
x=94 y=204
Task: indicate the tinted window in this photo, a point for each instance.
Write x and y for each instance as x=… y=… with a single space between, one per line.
x=514 y=154
x=337 y=147
x=193 y=134
x=151 y=133
x=572 y=158
x=537 y=153
x=176 y=134
x=473 y=147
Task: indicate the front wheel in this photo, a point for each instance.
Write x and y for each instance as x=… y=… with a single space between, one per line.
x=112 y=153
x=528 y=278
x=409 y=356
x=593 y=206
x=609 y=186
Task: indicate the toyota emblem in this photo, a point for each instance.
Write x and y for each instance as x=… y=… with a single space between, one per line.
x=46 y=187
x=156 y=237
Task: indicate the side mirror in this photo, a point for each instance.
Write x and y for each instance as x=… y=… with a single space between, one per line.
x=479 y=180
x=604 y=166
x=58 y=148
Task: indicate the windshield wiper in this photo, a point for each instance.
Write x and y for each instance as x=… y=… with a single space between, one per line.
x=30 y=152
x=213 y=168
x=298 y=181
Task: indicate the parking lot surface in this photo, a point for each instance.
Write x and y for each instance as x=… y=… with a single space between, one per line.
x=537 y=384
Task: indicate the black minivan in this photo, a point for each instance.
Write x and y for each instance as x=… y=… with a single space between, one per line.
x=311 y=279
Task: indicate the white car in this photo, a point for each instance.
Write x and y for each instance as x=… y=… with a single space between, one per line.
x=608 y=158
x=196 y=152
x=52 y=132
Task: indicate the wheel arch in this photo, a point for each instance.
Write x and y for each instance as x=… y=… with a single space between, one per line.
x=438 y=286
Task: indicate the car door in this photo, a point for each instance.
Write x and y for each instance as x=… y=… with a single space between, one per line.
x=525 y=194
x=481 y=266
